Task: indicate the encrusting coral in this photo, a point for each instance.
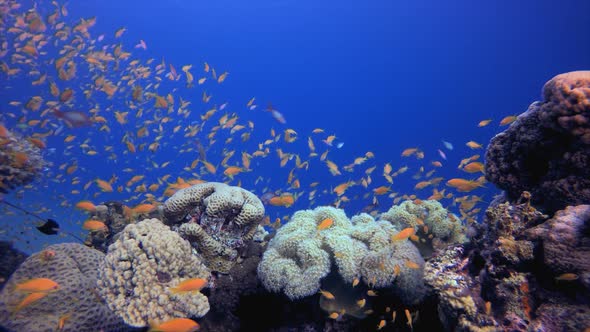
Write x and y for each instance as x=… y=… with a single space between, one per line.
x=546 y=151
x=141 y=268
x=301 y=254
x=217 y=219
x=75 y=268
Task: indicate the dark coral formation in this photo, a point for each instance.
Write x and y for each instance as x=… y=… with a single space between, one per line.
x=10 y=259
x=564 y=244
x=219 y=220
x=75 y=268
x=20 y=161
x=519 y=271
x=112 y=214
x=547 y=150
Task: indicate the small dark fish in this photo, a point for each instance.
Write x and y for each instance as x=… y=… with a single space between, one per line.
x=50 y=227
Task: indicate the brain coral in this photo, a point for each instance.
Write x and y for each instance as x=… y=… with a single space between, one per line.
x=75 y=268
x=445 y=228
x=20 y=161
x=217 y=219
x=300 y=255
x=141 y=266
x=546 y=151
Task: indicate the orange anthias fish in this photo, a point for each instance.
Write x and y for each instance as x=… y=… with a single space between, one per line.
x=326 y=223
x=33 y=297
x=86 y=206
x=94 y=225
x=464 y=185
x=190 y=285
x=104 y=185
x=37 y=285
x=404 y=234
x=508 y=120
x=176 y=325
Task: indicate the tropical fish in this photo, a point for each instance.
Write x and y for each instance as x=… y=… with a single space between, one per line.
x=278 y=116
x=484 y=123
x=508 y=120
x=33 y=297
x=37 y=285
x=176 y=325
x=403 y=234
x=326 y=223
x=327 y=295
x=73 y=119
x=190 y=285
x=94 y=225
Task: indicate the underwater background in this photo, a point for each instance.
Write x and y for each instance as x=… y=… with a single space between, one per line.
x=319 y=105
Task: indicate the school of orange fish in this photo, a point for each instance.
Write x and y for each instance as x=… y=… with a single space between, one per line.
x=132 y=108
x=114 y=116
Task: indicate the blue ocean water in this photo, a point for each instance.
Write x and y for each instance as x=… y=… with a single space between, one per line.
x=381 y=76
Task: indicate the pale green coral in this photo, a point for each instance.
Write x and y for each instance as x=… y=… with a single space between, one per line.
x=300 y=255
x=445 y=228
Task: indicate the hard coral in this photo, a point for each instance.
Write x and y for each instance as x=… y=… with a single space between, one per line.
x=565 y=243
x=546 y=151
x=20 y=161
x=217 y=219
x=75 y=268
x=142 y=266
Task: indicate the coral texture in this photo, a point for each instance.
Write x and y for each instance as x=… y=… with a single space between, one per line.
x=442 y=227
x=546 y=151
x=217 y=219
x=75 y=268
x=20 y=161
x=301 y=255
x=141 y=267
x=565 y=242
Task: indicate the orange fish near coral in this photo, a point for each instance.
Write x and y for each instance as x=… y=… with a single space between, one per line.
x=86 y=206
x=37 y=285
x=404 y=234
x=176 y=325
x=190 y=285
x=33 y=297
x=326 y=223
x=508 y=120
x=94 y=225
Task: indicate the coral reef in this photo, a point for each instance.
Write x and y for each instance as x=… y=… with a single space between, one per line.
x=20 y=160
x=10 y=259
x=75 y=268
x=437 y=227
x=142 y=266
x=520 y=272
x=301 y=255
x=218 y=220
x=546 y=151
x=112 y=214
x=564 y=243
